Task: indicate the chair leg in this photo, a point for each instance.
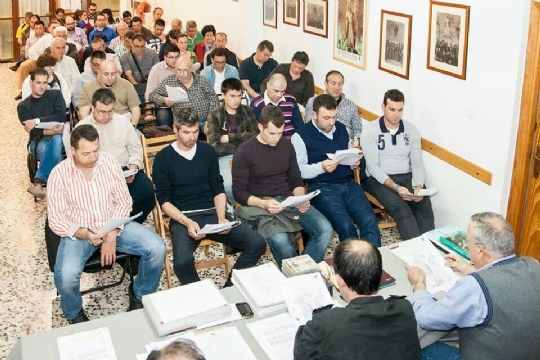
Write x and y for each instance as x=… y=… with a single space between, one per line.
x=168 y=272
x=108 y=286
x=207 y=250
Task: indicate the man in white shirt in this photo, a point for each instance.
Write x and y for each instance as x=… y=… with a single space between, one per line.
x=65 y=66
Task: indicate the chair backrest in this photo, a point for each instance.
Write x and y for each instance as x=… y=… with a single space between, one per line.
x=151 y=147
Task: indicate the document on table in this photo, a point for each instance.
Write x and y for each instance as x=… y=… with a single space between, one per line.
x=49 y=125
x=235 y=315
x=87 y=345
x=224 y=344
x=129 y=172
x=422 y=253
x=293 y=201
x=177 y=94
x=276 y=336
x=346 y=157
x=303 y=294
x=217 y=228
x=112 y=224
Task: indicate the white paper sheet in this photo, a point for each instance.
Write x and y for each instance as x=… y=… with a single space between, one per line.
x=217 y=228
x=276 y=336
x=303 y=294
x=428 y=192
x=112 y=224
x=66 y=139
x=293 y=201
x=176 y=94
x=129 y=172
x=224 y=344
x=87 y=345
x=263 y=283
x=346 y=157
x=47 y=125
x=422 y=253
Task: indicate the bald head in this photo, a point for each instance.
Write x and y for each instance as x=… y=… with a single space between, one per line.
x=275 y=88
x=107 y=73
x=176 y=24
x=184 y=69
x=359 y=264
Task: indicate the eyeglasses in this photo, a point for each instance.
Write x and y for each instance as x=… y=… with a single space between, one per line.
x=220 y=63
x=139 y=46
x=103 y=112
x=173 y=57
x=181 y=71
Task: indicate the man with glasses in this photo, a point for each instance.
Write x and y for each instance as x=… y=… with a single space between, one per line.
x=221 y=42
x=275 y=95
x=118 y=138
x=160 y=72
x=138 y=63
x=75 y=33
x=96 y=59
x=219 y=70
x=257 y=67
x=193 y=36
x=201 y=94
x=127 y=101
x=494 y=306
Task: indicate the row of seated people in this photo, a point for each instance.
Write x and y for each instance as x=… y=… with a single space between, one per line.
x=477 y=306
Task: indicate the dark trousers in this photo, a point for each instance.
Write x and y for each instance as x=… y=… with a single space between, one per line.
x=242 y=237
x=412 y=218
x=343 y=203
x=142 y=193
x=164 y=116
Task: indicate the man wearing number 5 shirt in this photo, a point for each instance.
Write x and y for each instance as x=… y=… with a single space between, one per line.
x=393 y=154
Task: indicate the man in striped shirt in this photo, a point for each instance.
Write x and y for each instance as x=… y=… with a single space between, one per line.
x=85 y=191
x=275 y=95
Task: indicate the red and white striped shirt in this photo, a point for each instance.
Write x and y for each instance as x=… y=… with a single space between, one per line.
x=75 y=202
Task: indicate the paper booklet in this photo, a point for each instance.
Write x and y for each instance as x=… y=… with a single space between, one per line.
x=346 y=157
x=217 y=228
x=177 y=94
x=293 y=201
x=49 y=125
x=112 y=224
x=129 y=172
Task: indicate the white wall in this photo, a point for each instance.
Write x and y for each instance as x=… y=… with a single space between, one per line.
x=476 y=118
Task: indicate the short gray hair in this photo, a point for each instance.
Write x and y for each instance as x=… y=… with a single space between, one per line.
x=494 y=232
x=182 y=348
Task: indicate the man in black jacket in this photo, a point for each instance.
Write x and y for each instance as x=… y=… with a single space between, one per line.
x=369 y=327
x=43 y=106
x=229 y=126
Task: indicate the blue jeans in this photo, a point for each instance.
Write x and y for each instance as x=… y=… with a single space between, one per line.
x=134 y=239
x=320 y=233
x=343 y=203
x=49 y=154
x=225 y=171
x=440 y=351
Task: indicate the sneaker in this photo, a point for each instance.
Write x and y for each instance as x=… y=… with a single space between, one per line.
x=36 y=190
x=81 y=317
x=134 y=303
x=18 y=97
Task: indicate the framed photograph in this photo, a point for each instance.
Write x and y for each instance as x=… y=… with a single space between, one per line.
x=270 y=13
x=291 y=12
x=448 y=38
x=350 y=33
x=316 y=17
x=395 y=45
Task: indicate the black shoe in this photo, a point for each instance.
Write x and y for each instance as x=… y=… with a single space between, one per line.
x=231 y=251
x=81 y=317
x=134 y=303
x=13 y=68
x=19 y=97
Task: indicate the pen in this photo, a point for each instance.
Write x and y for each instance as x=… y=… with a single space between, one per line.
x=394 y=247
x=90 y=230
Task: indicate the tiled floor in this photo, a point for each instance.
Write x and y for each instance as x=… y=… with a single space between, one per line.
x=28 y=301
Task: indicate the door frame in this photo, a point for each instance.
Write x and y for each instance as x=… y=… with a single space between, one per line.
x=526 y=128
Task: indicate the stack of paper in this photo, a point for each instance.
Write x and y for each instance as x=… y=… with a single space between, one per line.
x=261 y=287
x=293 y=201
x=186 y=307
x=93 y=344
x=223 y=344
x=303 y=294
x=422 y=253
x=299 y=265
x=346 y=157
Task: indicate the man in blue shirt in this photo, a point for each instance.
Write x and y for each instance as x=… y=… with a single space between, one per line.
x=256 y=68
x=102 y=28
x=341 y=200
x=494 y=306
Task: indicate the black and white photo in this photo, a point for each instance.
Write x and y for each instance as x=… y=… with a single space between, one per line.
x=395 y=43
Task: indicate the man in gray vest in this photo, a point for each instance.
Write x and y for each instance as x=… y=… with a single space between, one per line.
x=495 y=306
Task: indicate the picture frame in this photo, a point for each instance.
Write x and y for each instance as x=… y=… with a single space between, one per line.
x=448 y=37
x=270 y=13
x=291 y=12
x=316 y=17
x=395 y=43
x=350 y=32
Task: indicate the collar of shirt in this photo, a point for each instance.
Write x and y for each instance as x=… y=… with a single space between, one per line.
x=384 y=129
x=498 y=261
x=329 y=135
x=71 y=163
x=268 y=101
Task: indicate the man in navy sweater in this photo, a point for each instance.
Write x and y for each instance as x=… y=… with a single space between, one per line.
x=341 y=199
x=190 y=190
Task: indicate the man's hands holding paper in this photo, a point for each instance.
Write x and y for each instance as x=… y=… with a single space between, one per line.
x=458 y=264
x=168 y=102
x=329 y=165
x=272 y=206
x=193 y=230
x=224 y=221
